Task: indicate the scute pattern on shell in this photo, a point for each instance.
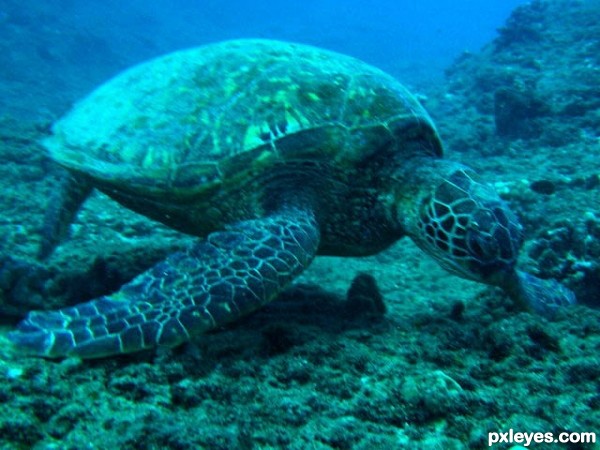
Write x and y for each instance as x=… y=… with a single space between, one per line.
x=192 y=118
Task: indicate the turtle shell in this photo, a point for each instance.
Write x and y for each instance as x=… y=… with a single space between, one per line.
x=195 y=118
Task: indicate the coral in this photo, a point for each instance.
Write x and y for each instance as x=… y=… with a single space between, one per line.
x=570 y=251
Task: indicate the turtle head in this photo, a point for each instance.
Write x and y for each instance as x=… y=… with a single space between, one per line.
x=466 y=226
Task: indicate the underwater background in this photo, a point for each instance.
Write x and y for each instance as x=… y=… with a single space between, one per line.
x=514 y=90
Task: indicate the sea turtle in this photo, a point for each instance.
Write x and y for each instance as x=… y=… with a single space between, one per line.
x=271 y=153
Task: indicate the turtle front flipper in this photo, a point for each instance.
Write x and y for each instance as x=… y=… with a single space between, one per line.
x=216 y=281
x=62 y=209
x=545 y=297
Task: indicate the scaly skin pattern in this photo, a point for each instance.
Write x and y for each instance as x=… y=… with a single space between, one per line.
x=215 y=142
x=218 y=280
x=463 y=223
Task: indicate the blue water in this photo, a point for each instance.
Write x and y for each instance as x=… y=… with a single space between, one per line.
x=393 y=34
x=56 y=52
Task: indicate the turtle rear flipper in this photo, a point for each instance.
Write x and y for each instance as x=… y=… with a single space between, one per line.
x=216 y=281
x=61 y=211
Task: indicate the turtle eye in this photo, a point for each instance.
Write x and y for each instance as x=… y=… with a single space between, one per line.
x=481 y=246
x=480 y=237
x=493 y=239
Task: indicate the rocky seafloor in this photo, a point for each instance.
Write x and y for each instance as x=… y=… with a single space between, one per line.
x=324 y=367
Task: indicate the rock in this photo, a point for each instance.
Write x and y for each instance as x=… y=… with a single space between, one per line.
x=364 y=297
x=515 y=113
